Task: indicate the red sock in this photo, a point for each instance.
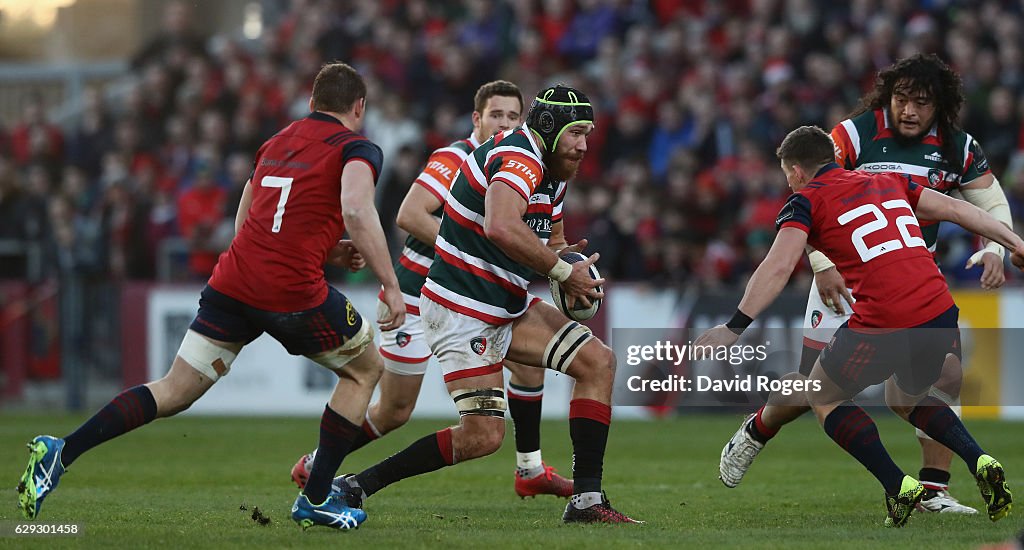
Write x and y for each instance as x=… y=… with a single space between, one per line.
x=759 y=431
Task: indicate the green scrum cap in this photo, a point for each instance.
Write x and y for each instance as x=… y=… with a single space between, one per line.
x=554 y=110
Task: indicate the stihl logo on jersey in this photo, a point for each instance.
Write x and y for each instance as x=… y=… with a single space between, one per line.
x=934 y=157
x=440 y=168
x=523 y=169
x=478 y=345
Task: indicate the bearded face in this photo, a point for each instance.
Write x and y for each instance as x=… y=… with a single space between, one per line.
x=569 y=152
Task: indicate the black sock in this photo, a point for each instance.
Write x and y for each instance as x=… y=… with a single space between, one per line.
x=364 y=437
x=854 y=431
x=934 y=479
x=131 y=408
x=524 y=404
x=936 y=419
x=429 y=453
x=758 y=430
x=336 y=435
x=588 y=428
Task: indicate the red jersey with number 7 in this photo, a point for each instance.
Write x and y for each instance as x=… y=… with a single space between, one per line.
x=865 y=223
x=276 y=260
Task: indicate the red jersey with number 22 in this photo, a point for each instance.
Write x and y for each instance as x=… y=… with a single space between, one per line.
x=865 y=223
x=276 y=260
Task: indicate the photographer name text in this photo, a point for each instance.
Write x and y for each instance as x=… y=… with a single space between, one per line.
x=679 y=383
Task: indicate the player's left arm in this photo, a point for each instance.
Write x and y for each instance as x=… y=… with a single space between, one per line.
x=243 y=206
x=557 y=242
x=986 y=193
x=764 y=286
x=936 y=206
x=982 y=189
x=416 y=214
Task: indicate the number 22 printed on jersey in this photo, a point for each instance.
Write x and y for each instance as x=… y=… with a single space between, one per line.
x=879 y=223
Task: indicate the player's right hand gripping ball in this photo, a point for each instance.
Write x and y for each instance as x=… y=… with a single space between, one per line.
x=579 y=312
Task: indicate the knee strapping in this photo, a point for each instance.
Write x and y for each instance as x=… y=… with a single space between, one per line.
x=563 y=347
x=480 y=401
x=206 y=357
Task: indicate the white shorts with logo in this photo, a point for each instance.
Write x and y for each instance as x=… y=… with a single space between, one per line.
x=405 y=349
x=820 y=322
x=465 y=346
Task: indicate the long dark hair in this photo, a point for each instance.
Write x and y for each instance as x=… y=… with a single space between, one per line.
x=925 y=73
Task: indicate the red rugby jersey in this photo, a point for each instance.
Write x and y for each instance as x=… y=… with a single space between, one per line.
x=865 y=223
x=276 y=260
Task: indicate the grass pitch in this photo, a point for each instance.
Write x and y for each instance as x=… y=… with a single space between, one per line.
x=180 y=483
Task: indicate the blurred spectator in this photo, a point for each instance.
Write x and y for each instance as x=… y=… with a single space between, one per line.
x=93 y=136
x=38 y=186
x=997 y=128
x=200 y=211
x=176 y=41
x=35 y=140
x=390 y=128
x=12 y=209
x=72 y=247
x=13 y=230
x=592 y=22
x=673 y=131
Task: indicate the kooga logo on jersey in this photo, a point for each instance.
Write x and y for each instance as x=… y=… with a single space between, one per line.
x=882 y=167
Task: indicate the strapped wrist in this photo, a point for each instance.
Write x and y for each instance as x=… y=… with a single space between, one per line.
x=561 y=271
x=996 y=249
x=819 y=262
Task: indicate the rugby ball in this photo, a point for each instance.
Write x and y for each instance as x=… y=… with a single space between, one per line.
x=578 y=312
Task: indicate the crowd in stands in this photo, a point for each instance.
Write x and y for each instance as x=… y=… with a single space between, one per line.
x=680 y=185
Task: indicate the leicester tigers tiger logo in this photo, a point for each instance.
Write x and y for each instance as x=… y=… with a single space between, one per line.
x=479 y=345
x=402 y=339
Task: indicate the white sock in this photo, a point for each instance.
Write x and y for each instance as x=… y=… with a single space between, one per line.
x=528 y=461
x=585 y=500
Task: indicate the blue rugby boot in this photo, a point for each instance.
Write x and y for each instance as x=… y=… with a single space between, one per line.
x=41 y=475
x=332 y=513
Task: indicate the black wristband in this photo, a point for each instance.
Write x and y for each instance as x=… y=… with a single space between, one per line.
x=739 y=322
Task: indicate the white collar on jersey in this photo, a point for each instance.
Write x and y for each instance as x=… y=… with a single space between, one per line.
x=473 y=141
x=934 y=131
x=533 y=142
